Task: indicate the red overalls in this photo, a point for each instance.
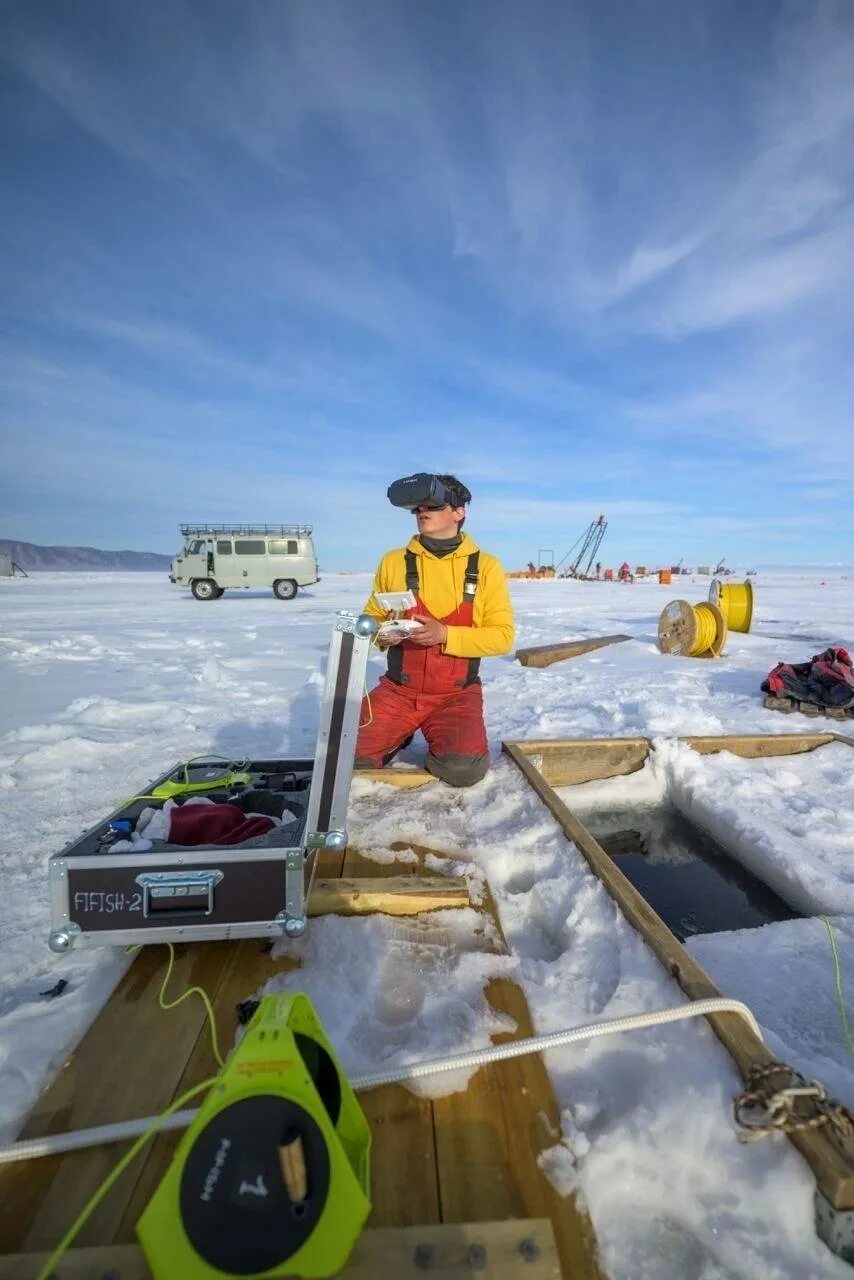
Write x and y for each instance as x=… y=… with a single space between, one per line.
x=432 y=691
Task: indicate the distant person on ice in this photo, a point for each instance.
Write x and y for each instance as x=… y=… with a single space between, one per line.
x=432 y=683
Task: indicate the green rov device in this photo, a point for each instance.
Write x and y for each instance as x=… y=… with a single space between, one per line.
x=272 y=1178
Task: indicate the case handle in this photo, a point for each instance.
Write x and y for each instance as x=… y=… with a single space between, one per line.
x=167 y=892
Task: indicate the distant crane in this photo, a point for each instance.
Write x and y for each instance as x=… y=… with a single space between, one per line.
x=590 y=540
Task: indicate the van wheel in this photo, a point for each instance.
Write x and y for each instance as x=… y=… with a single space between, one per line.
x=220 y=591
x=285 y=588
x=204 y=589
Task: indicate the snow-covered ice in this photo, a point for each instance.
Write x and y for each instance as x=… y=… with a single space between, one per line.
x=107 y=679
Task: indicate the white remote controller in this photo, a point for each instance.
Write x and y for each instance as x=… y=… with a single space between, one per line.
x=399 y=626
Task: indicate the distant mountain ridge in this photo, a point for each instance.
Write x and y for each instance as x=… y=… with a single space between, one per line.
x=32 y=558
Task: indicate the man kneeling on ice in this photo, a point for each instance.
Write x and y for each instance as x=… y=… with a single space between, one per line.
x=458 y=612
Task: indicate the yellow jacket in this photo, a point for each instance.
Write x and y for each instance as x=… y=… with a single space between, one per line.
x=441 y=580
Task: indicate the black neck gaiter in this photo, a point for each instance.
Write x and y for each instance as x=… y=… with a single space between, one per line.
x=440 y=546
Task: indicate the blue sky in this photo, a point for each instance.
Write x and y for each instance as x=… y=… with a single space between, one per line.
x=260 y=258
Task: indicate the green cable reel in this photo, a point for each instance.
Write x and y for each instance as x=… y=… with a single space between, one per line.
x=272 y=1178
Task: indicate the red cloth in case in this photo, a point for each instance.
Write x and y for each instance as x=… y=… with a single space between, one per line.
x=195 y=824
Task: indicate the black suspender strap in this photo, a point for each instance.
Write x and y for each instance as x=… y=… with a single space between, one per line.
x=411 y=572
x=469 y=591
x=472 y=568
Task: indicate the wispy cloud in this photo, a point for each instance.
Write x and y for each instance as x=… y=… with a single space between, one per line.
x=572 y=252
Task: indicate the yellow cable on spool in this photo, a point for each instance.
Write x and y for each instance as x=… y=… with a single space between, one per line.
x=735 y=601
x=694 y=631
x=706 y=630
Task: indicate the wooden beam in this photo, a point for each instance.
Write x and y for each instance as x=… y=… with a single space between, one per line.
x=832 y=1162
x=396 y=777
x=757 y=746
x=392 y=895
x=521 y=1249
x=567 y=762
x=571 y=761
x=545 y=654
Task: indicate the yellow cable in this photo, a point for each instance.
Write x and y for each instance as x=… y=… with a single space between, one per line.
x=189 y=992
x=370 y=719
x=840 y=999
x=112 y=1177
x=706 y=629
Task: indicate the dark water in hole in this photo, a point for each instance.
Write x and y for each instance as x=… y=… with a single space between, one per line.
x=682 y=872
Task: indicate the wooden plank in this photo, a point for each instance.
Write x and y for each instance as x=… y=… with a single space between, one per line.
x=404 y=1180
x=520 y=1250
x=545 y=654
x=565 y=762
x=832 y=1162
x=757 y=746
x=786 y=705
x=489 y=1137
x=396 y=777
x=391 y=895
x=119 y=1069
x=492 y=939
x=569 y=762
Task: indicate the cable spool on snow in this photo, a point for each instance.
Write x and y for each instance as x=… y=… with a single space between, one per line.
x=735 y=600
x=693 y=631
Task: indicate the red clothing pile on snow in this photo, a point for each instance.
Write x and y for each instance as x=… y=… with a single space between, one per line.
x=826 y=680
x=193 y=824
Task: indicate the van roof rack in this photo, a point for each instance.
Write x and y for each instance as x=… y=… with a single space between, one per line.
x=242 y=530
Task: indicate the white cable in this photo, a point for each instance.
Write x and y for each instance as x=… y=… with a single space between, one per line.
x=53 y=1144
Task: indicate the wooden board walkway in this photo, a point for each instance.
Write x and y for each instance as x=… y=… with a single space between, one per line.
x=465 y=1158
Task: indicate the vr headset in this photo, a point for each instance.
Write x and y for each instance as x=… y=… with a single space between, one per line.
x=425 y=490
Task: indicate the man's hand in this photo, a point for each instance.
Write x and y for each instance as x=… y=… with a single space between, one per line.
x=430 y=633
x=386 y=639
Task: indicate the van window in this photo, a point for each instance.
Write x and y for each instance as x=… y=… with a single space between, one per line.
x=195 y=548
x=223 y=547
x=283 y=547
x=248 y=547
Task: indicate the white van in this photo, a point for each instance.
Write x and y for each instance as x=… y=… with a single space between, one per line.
x=217 y=557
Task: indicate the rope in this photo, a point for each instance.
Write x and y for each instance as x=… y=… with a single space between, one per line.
x=762 y=1108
